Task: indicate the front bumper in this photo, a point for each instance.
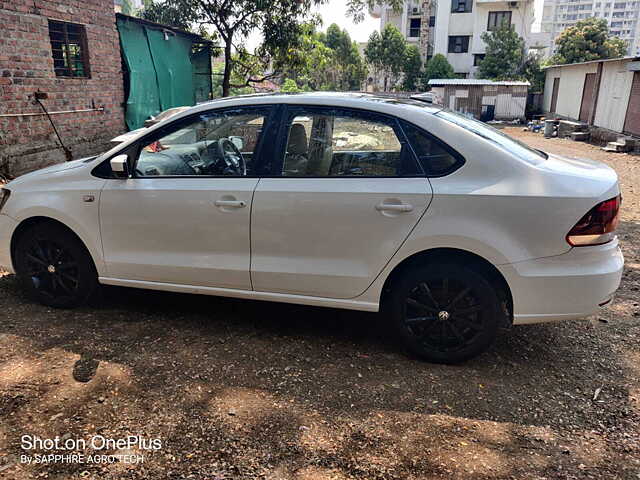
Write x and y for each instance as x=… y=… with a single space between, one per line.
x=564 y=287
x=7 y=227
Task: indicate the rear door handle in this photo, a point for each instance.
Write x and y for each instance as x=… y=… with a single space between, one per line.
x=230 y=203
x=394 y=207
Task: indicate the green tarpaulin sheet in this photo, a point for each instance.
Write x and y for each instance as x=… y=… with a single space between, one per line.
x=162 y=70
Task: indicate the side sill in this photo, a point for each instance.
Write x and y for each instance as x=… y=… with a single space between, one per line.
x=248 y=294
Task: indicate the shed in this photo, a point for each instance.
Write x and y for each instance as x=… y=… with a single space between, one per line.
x=484 y=99
x=164 y=68
x=602 y=93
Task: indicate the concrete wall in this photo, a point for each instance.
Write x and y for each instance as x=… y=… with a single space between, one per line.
x=613 y=96
x=615 y=88
x=570 y=90
x=26 y=65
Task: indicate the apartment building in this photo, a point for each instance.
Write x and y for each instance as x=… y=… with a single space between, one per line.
x=622 y=18
x=454 y=27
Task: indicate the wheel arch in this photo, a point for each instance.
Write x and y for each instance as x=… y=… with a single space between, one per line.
x=478 y=263
x=27 y=223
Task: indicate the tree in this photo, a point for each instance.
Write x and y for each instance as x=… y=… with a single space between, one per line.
x=348 y=67
x=412 y=68
x=437 y=67
x=588 y=39
x=356 y=8
x=373 y=54
x=127 y=8
x=280 y=22
x=393 y=47
x=290 y=86
x=504 y=54
x=533 y=73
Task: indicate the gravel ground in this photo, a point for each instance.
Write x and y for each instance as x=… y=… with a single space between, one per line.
x=244 y=390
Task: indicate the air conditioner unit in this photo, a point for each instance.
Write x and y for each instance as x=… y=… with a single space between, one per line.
x=513 y=4
x=415 y=10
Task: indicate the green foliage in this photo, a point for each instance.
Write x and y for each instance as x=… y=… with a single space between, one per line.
x=290 y=86
x=532 y=71
x=324 y=61
x=127 y=8
x=437 y=67
x=386 y=53
x=587 y=40
x=412 y=69
x=357 y=8
x=504 y=54
x=281 y=23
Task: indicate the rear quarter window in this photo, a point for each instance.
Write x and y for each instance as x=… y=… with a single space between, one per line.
x=437 y=158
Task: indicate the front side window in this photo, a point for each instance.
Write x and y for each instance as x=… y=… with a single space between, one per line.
x=459 y=44
x=69 y=49
x=345 y=144
x=461 y=6
x=212 y=144
x=497 y=19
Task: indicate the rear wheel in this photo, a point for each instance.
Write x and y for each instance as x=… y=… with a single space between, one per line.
x=54 y=267
x=445 y=312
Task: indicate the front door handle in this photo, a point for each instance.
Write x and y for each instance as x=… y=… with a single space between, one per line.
x=394 y=207
x=230 y=203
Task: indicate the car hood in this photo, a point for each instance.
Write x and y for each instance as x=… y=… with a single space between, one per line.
x=59 y=167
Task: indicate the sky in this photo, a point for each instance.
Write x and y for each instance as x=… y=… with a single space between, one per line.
x=335 y=11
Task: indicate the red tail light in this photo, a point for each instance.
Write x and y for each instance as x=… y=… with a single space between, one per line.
x=597 y=226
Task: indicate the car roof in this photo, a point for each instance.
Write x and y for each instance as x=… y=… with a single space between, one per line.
x=359 y=100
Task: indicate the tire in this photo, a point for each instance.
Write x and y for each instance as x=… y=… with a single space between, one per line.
x=445 y=312
x=54 y=267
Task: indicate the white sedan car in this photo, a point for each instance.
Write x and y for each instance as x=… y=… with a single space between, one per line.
x=449 y=226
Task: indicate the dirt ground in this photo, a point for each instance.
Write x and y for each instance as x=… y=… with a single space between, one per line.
x=244 y=390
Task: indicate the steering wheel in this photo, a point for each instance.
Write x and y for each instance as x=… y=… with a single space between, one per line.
x=233 y=159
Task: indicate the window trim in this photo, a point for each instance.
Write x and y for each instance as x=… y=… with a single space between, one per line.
x=84 y=48
x=502 y=13
x=460 y=160
x=290 y=111
x=464 y=50
x=133 y=150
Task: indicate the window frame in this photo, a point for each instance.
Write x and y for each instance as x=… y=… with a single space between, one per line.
x=291 y=111
x=468 y=6
x=498 y=14
x=460 y=160
x=263 y=149
x=84 y=48
x=464 y=48
x=412 y=29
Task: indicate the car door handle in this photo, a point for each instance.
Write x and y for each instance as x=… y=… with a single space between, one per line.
x=394 y=207
x=230 y=203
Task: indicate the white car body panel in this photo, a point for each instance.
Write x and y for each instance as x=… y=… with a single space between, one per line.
x=291 y=242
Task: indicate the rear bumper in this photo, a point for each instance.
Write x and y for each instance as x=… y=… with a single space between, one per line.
x=7 y=227
x=564 y=287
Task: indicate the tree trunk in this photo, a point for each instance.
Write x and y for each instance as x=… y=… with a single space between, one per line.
x=226 y=78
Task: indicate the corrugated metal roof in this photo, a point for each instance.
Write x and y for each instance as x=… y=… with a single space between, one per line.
x=473 y=81
x=592 y=61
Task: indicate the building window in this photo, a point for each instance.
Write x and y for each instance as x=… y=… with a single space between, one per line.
x=461 y=75
x=461 y=6
x=477 y=58
x=69 y=49
x=459 y=44
x=414 y=27
x=432 y=21
x=496 y=19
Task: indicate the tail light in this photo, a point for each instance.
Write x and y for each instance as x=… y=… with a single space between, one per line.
x=597 y=226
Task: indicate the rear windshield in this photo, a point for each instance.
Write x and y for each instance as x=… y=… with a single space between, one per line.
x=510 y=144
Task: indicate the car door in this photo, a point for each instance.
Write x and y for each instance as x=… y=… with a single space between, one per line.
x=345 y=193
x=183 y=216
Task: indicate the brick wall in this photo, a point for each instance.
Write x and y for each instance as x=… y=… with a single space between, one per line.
x=26 y=65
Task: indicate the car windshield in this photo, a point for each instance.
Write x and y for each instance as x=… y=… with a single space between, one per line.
x=510 y=144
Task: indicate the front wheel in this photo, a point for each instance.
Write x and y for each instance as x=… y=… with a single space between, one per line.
x=445 y=312
x=54 y=267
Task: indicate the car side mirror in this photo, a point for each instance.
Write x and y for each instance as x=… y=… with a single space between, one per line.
x=120 y=165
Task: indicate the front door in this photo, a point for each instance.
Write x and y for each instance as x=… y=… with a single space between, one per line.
x=345 y=194
x=184 y=215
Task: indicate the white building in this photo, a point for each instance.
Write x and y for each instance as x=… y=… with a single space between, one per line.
x=455 y=26
x=622 y=18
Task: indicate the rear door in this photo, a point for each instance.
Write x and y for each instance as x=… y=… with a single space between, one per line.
x=345 y=192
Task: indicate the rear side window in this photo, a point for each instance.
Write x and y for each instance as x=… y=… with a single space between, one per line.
x=436 y=158
x=342 y=143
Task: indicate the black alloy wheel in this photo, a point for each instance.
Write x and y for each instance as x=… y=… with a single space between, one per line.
x=445 y=313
